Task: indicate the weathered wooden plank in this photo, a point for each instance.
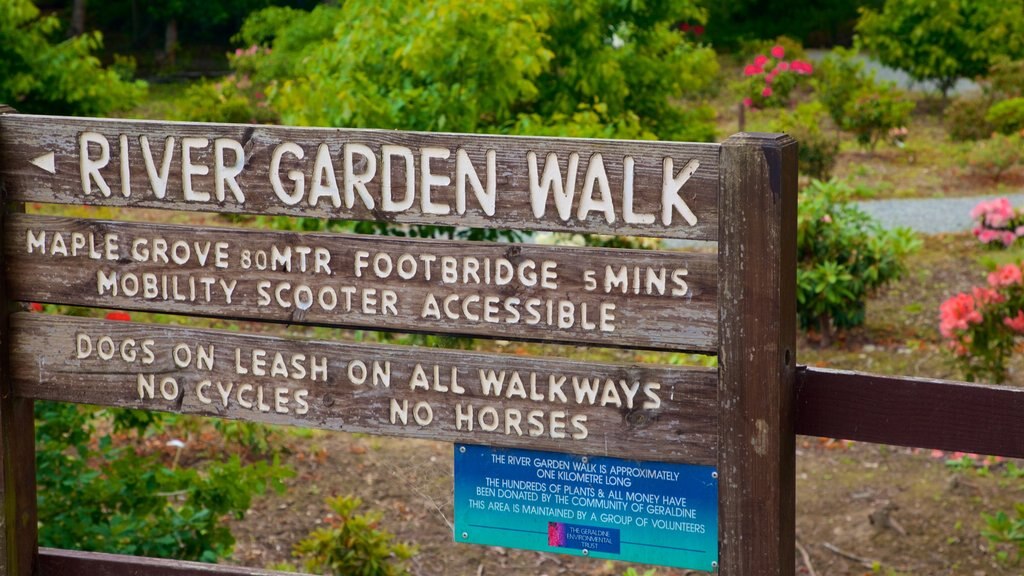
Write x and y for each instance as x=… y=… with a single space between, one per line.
x=664 y=189
x=757 y=260
x=917 y=412
x=54 y=561
x=640 y=412
x=18 y=524
x=599 y=296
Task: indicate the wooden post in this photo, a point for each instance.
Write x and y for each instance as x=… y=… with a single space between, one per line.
x=18 y=530
x=757 y=316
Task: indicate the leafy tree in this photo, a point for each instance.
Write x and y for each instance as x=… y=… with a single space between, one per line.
x=944 y=40
x=41 y=75
x=556 y=67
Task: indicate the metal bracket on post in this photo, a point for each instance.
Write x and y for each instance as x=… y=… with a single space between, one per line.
x=757 y=354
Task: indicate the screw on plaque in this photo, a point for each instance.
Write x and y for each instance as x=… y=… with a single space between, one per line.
x=465 y=535
x=462 y=449
x=584 y=459
x=714 y=565
x=714 y=474
x=586 y=552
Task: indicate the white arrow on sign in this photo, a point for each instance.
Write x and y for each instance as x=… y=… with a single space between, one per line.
x=46 y=162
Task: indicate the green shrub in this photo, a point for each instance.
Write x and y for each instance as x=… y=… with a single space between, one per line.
x=41 y=72
x=965 y=120
x=843 y=257
x=819 y=148
x=101 y=497
x=873 y=112
x=353 y=544
x=1002 y=529
x=838 y=77
x=504 y=67
x=1006 y=79
x=1007 y=117
x=995 y=156
x=225 y=100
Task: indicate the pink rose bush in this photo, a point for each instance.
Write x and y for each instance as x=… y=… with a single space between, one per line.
x=768 y=80
x=985 y=327
x=997 y=223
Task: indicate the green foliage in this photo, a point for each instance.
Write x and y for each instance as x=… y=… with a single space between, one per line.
x=843 y=257
x=943 y=40
x=231 y=99
x=1007 y=117
x=41 y=74
x=595 y=68
x=1001 y=528
x=965 y=120
x=819 y=149
x=1006 y=79
x=872 y=112
x=353 y=544
x=838 y=77
x=101 y=497
x=995 y=156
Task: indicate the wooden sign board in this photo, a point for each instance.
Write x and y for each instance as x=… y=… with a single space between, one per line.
x=602 y=296
x=661 y=189
x=501 y=400
x=739 y=304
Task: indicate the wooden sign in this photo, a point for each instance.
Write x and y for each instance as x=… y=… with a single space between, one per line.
x=614 y=297
x=662 y=189
x=580 y=407
x=737 y=303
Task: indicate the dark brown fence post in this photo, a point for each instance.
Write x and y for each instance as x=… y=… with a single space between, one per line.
x=18 y=537
x=757 y=315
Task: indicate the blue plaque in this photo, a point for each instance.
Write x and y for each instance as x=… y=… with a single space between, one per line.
x=650 y=512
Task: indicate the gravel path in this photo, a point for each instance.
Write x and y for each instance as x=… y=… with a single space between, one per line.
x=929 y=215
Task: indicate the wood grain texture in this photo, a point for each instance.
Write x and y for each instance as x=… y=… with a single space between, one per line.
x=18 y=525
x=53 y=561
x=638 y=412
x=918 y=412
x=757 y=263
x=340 y=298
x=24 y=138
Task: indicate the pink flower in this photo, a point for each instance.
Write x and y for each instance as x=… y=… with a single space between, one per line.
x=985 y=296
x=1008 y=238
x=778 y=52
x=752 y=70
x=783 y=66
x=957 y=313
x=826 y=219
x=769 y=78
x=748 y=102
x=1015 y=323
x=760 y=60
x=121 y=316
x=35 y=307
x=1006 y=276
x=767 y=92
x=938 y=454
x=985 y=235
x=801 y=67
